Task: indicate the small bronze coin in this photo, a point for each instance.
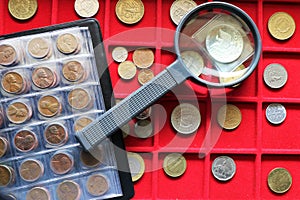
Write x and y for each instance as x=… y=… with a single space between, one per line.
x=25 y=141
x=43 y=77
x=88 y=160
x=38 y=193
x=61 y=163
x=174 y=164
x=79 y=98
x=22 y=10
x=18 y=112
x=3 y=146
x=7 y=175
x=143 y=58
x=82 y=122
x=97 y=185
x=49 y=106
x=68 y=190
x=73 y=71
x=38 y=48
x=8 y=55
x=229 y=116
x=56 y=134
x=145 y=75
x=31 y=170
x=279 y=180
x=67 y=43
x=13 y=82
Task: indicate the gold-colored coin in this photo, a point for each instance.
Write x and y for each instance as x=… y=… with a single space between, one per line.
x=145 y=75
x=174 y=164
x=81 y=123
x=279 y=180
x=143 y=58
x=237 y=73
x=130 y=11
x=281 y=25
x=229 y=116
x=180 y=8
x=127 y=70
x=22 y=10
x=136 y=165
x=18 y=112
x=67 y=43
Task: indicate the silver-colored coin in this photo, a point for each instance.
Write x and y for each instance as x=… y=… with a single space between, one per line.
x=119 y=54
x=275 y=113
x=143 y=128
x=224 y=43
x=275 y=75
x=86 y=8
x=185 y=118
x=193 y=61
x=144 y=114
x=180 y=8
x=223 y=168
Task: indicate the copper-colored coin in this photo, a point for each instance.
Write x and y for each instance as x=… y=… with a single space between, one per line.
x=229 y=116
x=88 y=160
x=67 y=43
x=143 y=58
x=13 y=82
x=25 y=140
x=68 y=190
x=97 y=185
x=82 y=122
x=8 y=55
x=31 y=170
x=79 y=98
x=43 y=77
x=18 y=112
x=56 y=134
x=145 y=75
x=22 y=10
x=38 y=193
x=73 y=71
x=38 y=47
x=7 y=175
x=49 y=106
x=3 y=146
x=61 y=163
x=1 y=118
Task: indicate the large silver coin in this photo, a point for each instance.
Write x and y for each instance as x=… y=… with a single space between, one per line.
x=180 y=8
x=185 y=118
x=224 y=43
x=223 y=168
x=193 y=61
x=275 y=75
x=275 y=113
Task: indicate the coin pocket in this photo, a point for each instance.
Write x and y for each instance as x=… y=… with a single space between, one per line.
x=11 y=53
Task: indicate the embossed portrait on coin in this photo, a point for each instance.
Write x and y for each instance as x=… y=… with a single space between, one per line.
x=7 y=54
x=13 y=83
x=52 y=107
x=43 y=78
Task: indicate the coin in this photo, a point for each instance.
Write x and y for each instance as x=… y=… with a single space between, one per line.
x=13 y=82
x=43 y=77
x=8 y=55
x=275 y=113
x=38 y=193
x=279 y=180
x=193 y=61
x=97 y=185
x=18 y=112
x=61 y=163
x=136 y=165
x=88 y=160
x=38 y=47
x=143 y=58
x=10 y=197
x=73 y=71
x=25 y=141
x=82 y=122
x=7 y=175
x=79 y=98
x=224 y=43
x=22 y=10
x=180 y=8
x=130 y=11
x=185 y=118
x=67 y=43
x=143 y=128
x=68 y=190
x=275 y=75
x=119 y=54
x=49 y=106
x=144 y=114
x=281 y=25
x=86 y=8
x=3 y=146
x=56 y=134
x=127 y=70
x=174 y=165
x=223 y=168
x=229 y=116
x=145 y=75
x=31 y=170
x=237 y=73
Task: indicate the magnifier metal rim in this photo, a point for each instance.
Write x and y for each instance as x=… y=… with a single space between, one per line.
x=240 y=13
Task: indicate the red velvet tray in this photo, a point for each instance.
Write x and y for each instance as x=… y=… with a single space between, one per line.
x=256 y=146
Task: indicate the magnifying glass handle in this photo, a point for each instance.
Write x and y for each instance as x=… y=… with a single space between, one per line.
x=131 y=106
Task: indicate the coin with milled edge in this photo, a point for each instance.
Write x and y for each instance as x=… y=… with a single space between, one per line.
x=22 y=10
x=130 y=11
x=174 y=164
x=3 y=146
x=180 y=8
x=68 y=190
x=97 y=185
x=67 y=43
x=119 y=54
x=143 y=128
x=79 y=98
x=136 y=165
x=86 y=8
x=73 y=71
x=279 y=180
x=82 y=122
x=90 y=161
x=275 y=75
x=18 y=112
x=223 y=168
x=143 y=58
x=127 y=70
x=25 y=141
x=193 y=61
x=281 y=25
x=43 y=77
x=31 y=170
x=61 y=163
x=56 y=134
x=185 y=118
x=7 y=175
x=224 y=43
x=38 y=193
x=13 y=82
x=38 y=48
x=145 y=75
x=49 y=106
x=229 y=116
x=8 y=55
x=275 y=113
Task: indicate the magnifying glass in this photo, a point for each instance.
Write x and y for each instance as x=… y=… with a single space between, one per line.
x=217 y=45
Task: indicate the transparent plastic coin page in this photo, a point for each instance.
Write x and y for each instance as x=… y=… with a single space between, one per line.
x=50 y=91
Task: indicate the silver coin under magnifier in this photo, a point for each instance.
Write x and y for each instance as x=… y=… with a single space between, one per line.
x=193 y=61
